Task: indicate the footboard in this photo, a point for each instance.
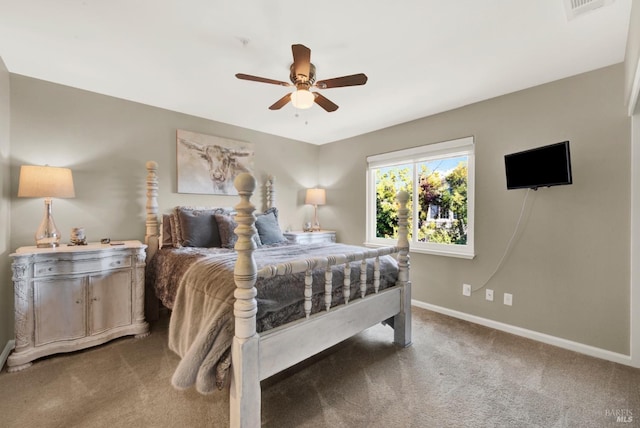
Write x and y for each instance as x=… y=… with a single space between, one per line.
x=256 y=357
x=283 y=347
x=326 y=263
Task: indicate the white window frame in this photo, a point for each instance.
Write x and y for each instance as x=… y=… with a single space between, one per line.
x=459 y=147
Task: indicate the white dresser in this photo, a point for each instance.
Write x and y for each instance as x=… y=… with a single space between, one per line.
x=73 y=297
x=321 y=236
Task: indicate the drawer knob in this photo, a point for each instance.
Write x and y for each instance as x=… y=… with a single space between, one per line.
x=78 y=301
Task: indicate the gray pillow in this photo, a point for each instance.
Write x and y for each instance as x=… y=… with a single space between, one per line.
x=268 y=228
x=199 y=228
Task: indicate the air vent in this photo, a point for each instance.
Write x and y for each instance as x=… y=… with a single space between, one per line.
x=576 y=8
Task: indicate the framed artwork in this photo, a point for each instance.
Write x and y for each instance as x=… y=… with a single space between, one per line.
x=208 y=164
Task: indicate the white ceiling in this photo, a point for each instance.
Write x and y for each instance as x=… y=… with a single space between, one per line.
x=421 y=56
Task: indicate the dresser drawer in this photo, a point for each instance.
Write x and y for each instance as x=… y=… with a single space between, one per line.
x=305 y=238
x=302 y=240
x=47 y=268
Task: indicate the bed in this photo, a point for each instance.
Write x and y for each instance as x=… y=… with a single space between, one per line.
x=242 y=314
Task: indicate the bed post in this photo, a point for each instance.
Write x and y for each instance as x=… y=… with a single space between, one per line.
x=271 y=191
x=245 y=375
x=151 y=237
x=402 y=321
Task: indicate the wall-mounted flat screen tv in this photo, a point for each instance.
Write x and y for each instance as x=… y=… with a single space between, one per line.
x=540 y=167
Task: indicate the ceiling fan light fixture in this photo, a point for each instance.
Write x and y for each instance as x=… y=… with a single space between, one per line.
x=302 y=74
x=302 y=99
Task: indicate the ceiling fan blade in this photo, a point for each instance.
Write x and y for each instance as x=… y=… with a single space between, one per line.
x=281 y=102
x=261 y=79
x=337 y=82
x=325 y=103
x=301 y=60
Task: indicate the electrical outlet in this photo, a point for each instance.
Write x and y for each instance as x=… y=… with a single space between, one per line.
x=508 y=299
x=489 y=295
x=466 y=290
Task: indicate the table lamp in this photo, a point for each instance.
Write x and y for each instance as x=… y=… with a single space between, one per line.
x=46 y=182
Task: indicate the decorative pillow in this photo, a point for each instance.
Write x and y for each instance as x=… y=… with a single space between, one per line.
x=226 y=227
x=198 y=228
x=268 y=228
x=166 y=231
x=174 y=220
x=273 y=210
x=174 y=224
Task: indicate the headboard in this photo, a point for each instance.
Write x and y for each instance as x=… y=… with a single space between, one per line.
x=152 y=235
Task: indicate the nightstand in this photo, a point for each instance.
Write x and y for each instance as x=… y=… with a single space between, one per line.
x=72 y=297
x=321 y=236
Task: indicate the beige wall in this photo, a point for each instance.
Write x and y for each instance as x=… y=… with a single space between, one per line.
x=6 y=288
x=635 y=239
x=106 y=142
x=569 y=269
x=632 y=56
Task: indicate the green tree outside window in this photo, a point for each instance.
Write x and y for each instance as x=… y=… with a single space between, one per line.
x=442 y=200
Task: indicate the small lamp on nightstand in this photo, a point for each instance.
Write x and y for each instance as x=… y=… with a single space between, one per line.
x=46 y=182
x=315 y=197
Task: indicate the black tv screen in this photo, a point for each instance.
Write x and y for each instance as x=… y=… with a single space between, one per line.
x=540 y=167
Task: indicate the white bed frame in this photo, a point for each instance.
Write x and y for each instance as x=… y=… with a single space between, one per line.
x=258 y=356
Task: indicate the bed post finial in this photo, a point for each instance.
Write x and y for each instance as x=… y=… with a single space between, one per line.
x=245 y=378
x=402 y=321
x=245 y=271
x=152 y=232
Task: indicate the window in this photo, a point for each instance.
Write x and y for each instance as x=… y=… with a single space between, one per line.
x=440 y=180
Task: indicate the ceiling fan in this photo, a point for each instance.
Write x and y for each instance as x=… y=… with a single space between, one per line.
x=303 y=77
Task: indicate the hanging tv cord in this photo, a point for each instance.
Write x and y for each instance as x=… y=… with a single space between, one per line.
x=509 y=244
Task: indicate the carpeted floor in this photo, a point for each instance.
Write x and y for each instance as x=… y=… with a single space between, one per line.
x=456 y=374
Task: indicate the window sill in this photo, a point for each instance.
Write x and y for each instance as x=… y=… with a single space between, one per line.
x=432 y=252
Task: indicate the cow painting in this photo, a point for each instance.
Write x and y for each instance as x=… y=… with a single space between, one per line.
x=210 y=166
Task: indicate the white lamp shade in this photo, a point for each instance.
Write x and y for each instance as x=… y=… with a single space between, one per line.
x=302 y=99
x=45 y=182
x=315 y=197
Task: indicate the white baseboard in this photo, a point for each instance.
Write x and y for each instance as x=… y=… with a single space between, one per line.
x=5 y=352
x=530 y=334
